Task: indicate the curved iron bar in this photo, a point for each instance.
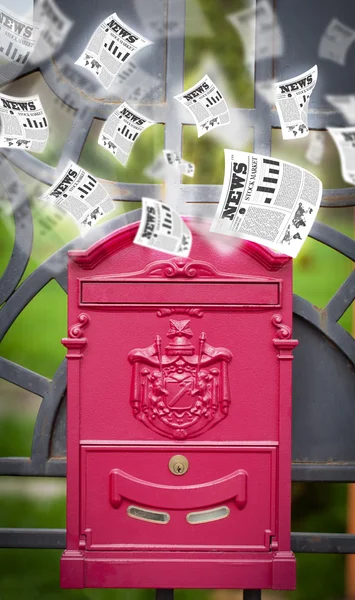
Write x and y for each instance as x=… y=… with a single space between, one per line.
x=76 y=138
x=26 y=379
x=22 y=247
x=342 y=299
x=338 y=198
x=334 y=239
x=54 y=268
x=30 y=165
x=43 y=429
x=319 y=319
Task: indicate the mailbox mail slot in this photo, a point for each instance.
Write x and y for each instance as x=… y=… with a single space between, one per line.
x=232 y=294
x=179 y=417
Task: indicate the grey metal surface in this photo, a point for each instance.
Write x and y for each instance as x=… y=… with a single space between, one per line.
x=324 y=371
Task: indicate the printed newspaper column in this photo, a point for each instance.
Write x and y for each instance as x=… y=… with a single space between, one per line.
x=258 y=23
x=174 y=160
x=315 y=149
x=268 y=201
x=345 y=105
x=81 y=195
x=336 y=41
x=162 y=228
x=121 y=130
x=206 y=104
x=111 y=45
x=55 y=26
x=18 y=37
x=344 y=138
x=23 y=123
x=292 y=99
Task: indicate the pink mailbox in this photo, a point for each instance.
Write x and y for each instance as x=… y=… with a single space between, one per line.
x=179 y=416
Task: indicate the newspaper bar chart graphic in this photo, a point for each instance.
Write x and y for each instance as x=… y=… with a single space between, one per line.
x=270 y=180
x=127 y=133
x=20 y=59
x=86 y=188
x=211 y=100
x=36 y=124
x=113 y=48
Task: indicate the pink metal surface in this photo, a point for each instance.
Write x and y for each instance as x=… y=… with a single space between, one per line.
x=166 y=357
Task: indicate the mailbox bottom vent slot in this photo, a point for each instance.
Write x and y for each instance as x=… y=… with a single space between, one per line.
x=148 y=515
x=206 y=516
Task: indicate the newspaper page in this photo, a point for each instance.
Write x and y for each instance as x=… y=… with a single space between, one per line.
x=154 y=23
x=81 y=195
x=206 y=104
x=23 y=123
x=336 y=41
x=266 y=89
x=18 y=36
x=268 y=201
x=292 y=100
x=133 y=83
x=162 y=228
x=238 y=133
x=121 y=130
x=344 y=138
x=55 y=26
x=265 y=31
x=112 y=44
x=157 y=169
x=345 y=105
x=174 y=160
x=315 y=148
x=80 y=86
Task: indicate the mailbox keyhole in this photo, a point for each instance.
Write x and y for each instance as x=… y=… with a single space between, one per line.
x=178 y=464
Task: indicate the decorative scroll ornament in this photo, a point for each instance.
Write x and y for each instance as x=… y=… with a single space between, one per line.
x=180 y=394
x=76 y=330
x=283 y=331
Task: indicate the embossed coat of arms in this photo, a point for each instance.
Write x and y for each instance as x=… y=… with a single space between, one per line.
x=183 y=392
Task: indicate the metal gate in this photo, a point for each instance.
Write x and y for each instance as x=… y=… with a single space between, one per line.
x=324 y=365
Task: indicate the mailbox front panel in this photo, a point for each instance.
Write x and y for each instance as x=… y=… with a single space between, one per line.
x=179 y=417
x=132 y=498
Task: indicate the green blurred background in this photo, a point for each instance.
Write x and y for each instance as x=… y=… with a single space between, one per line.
x=34 y=339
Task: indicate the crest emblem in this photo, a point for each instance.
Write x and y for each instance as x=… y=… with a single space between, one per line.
x=182 y=393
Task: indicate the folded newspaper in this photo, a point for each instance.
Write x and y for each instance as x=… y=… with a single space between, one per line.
x=81 y=195
x=161 y=228
x=54 y=25
x=174 y=160
x=23 y=123
x=268 y=201
x=345 y=105
x=121 y=130
x=206 y=104
x=111 y=45
x=336 y=41
x=344 y=138
x=18 y=36
x=292 y=99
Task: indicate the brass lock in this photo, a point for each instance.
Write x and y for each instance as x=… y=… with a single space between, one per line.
x=178 y=464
